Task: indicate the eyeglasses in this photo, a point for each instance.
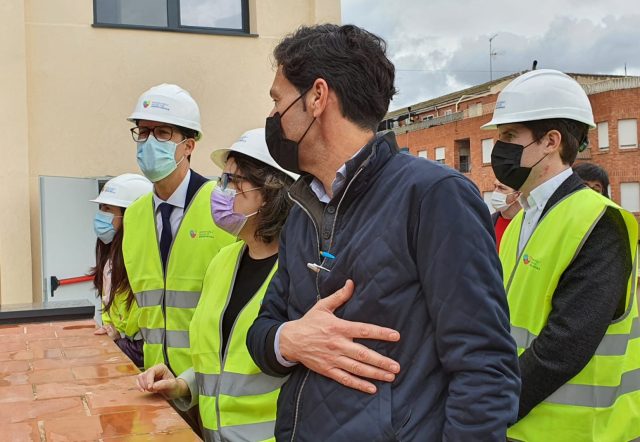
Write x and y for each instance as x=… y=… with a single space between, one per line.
x=227 y=178
x=161 y=133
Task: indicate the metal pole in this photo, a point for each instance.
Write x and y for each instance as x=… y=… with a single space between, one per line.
x=491 y=54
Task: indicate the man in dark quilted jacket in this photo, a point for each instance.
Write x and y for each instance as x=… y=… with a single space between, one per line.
x=388 y=312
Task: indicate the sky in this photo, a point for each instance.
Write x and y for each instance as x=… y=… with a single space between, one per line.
x=441 y=46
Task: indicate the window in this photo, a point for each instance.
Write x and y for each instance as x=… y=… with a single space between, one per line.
x=448 y=112
x=462 y=150
x=429 y=117
x=422 y=154
x=440 y=155
x=603 y=135
x=630 y=196
x=487 y=147
x=475 y=110
x=203 y=16
x=628 y=134
x=486 y=196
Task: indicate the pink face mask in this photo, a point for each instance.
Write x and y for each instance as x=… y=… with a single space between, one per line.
x=222 y=210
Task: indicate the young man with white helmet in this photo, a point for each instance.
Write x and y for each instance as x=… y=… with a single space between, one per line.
x=170 y=236
x=119 y=311
x=569 y=271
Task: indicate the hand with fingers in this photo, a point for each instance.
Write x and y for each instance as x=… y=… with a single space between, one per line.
x=112 y=332
x=102 y=330
x=324 y=343
x=159 y=379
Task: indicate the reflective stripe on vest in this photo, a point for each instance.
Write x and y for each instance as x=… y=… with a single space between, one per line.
x=175 y=338
x=237 y=401
x=251 y=432
x=234 y=384
x=595 y=396
x=174 y=298
x=602 y=402
x=168 y=301
x=611 y=345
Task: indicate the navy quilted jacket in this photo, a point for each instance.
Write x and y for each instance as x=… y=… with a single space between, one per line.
x=417 y=240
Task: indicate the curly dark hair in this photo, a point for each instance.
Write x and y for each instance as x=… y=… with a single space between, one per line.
x=274 y=187
x=350 y=59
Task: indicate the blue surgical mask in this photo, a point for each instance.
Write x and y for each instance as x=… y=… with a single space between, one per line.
x=157 y=158
x=103 y=226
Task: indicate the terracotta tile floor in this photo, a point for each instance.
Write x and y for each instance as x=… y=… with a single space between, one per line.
x=60 y=382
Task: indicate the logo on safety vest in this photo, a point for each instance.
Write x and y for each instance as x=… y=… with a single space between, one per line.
x=201 y=234
x=530 y=261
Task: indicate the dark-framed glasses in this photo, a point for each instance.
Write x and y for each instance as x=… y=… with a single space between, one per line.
x=161 y=133
x=227 y=178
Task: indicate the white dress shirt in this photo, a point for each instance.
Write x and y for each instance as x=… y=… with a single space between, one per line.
x=534 y=204
x=177 y=199
x=318 y=188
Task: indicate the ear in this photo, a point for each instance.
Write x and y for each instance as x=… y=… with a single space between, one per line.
x=554 y=141
x=189 y=146
x=319 y=97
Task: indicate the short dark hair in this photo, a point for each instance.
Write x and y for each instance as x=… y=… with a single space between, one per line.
x=189 y=133
x=274 y=186
x=593 y=172
x=350 y=59
x=574 y=134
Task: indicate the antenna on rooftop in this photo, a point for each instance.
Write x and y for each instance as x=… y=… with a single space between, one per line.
x=534 y=65
x=491 y=55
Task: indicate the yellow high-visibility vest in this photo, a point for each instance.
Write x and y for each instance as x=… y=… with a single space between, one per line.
x=167 y=301
x=123 y=318
x=602 y=402
x=237 y=401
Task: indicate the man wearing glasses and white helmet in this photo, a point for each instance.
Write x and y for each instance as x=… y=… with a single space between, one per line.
x=170 y=236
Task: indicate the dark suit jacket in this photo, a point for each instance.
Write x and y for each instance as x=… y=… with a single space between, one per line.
x=195 y=183
x=590 y=294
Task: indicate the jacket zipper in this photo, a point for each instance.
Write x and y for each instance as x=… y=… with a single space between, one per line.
x=304 y=381
x=318 y=297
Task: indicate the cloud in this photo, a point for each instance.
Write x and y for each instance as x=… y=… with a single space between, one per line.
x=439 y=47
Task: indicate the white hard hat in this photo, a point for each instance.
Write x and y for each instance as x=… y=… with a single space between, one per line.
x=252 y=144
x=168 y=103
x=123 y=190
x=540 y=95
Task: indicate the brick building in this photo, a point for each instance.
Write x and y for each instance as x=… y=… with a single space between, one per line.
x=447 y=129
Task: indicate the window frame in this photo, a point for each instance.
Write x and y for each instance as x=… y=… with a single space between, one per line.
x=482 y=146
x=600 y=128
x=173 y=22
x=634 y=134
x=637 y=202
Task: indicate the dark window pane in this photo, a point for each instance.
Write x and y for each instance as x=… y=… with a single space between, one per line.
x=132 y=12
x=211 y=13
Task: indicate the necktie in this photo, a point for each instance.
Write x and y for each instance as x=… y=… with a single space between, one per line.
x=165 y=237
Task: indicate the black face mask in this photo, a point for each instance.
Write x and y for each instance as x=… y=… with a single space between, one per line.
x=283 y=150
x=505 y=162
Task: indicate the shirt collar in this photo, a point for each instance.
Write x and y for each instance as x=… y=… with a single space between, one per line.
x=539 y=196
x=178 y=197
x=341 y=176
